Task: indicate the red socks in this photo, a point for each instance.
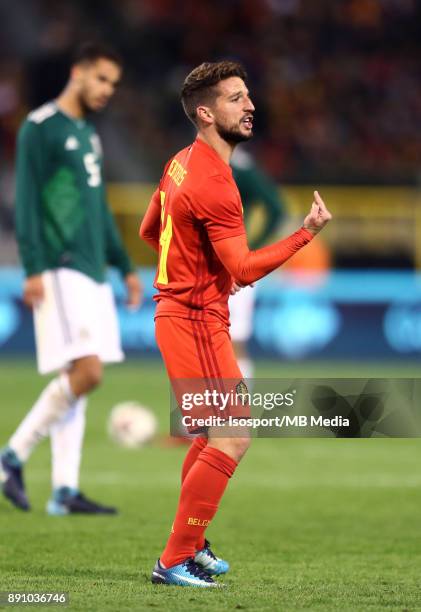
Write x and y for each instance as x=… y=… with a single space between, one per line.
x=201 y=491
x=197 y=445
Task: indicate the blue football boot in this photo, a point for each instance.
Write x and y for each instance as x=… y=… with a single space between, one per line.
x=11 y=479
x=212 y=564
x=71 y=501
x=184 y=574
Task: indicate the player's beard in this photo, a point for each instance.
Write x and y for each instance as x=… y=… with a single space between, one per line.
x=232 y=135
x=87 y=107
x=84 y=104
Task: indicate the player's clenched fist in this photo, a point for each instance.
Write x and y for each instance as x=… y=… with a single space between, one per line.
x=318 y=215
x=33 y=291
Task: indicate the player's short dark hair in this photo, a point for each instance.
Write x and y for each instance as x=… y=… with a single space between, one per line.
x=90 y=51
x=199 y=86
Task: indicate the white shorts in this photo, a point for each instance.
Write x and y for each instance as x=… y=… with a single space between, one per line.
x=76 y=318
x=241 y=307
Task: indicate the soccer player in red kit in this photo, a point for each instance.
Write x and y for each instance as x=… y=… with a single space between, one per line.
x=195 y=222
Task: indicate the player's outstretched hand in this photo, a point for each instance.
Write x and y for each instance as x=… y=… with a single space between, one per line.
x=134 y=290
x=33 y=290
x=318 y=215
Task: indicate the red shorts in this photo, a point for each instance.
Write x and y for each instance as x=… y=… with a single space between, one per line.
x=200 y=360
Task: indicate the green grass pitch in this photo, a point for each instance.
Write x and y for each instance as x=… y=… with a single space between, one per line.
x=316 y=524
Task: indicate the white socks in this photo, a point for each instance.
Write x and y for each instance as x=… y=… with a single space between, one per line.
x=66 y=445
x=53 y=403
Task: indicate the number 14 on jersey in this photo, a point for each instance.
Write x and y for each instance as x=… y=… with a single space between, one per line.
x=164 y=241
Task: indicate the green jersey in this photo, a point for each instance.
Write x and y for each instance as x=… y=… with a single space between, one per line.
x=62 y=216
x=257 y=188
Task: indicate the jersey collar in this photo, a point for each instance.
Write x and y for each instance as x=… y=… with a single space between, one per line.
x=203 y=147
x=79 y=122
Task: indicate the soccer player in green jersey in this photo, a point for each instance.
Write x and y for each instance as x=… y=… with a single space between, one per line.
x=255 y=188
x=67 y=237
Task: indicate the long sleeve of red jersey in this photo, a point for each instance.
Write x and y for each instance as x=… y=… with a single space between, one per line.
x=149 y=228
x=247 y=266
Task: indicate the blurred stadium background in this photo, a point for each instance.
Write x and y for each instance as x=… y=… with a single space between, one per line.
x=338 y=97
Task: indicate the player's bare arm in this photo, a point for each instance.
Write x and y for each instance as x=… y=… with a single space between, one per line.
x=33 y=290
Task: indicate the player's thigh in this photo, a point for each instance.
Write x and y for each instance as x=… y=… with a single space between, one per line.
x=196 y=349
x=107 y=327
x=71 y=323
x=92 y=316
x=51 y=329
x=60 y=323
x=201 y=363
x=75 y=299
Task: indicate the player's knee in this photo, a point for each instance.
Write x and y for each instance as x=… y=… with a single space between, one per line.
x=237 y=447
x=93 y=375
x=88 y=374
x=243 y=444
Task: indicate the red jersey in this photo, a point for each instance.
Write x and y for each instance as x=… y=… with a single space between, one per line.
x=200 y=204
x=195 y=222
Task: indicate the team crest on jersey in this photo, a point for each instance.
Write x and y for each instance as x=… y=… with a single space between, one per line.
x=96 y=144
x=84 y=334
x=242 y=392
x=71 y=143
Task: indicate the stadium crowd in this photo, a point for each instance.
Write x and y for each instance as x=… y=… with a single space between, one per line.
x=336 y=84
